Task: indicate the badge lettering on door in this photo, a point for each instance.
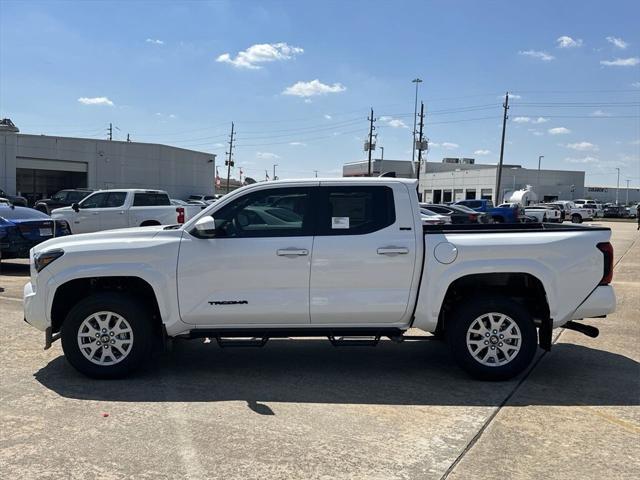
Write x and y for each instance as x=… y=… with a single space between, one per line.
x=339 y=222
x=229 y=302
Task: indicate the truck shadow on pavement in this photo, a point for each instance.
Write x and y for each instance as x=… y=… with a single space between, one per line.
x=311 y=371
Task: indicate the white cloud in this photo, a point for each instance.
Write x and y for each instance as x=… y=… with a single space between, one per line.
x=544 y=56
x=327 y=116
x=537 y=133
x=634 y=142
x=559 y=131
x=445 y=145
x=95 y=101
x=482 y=152
x=522 y=120
x=393 y=122
x=512 y=96
x=540 y=120
x=298 y=144
x=617 y=42
x=621 y=62
x=261 y=53
x=219 y=145
x=582 y=146
x=266 y=156
x=530 y=120
x=567 y=42
x=600 y=113
x=312 y=88
x=586 y=159
x=154 y=41
x=636 y=84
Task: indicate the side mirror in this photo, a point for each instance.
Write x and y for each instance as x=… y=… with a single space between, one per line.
x=206 y=226
x=76 y=207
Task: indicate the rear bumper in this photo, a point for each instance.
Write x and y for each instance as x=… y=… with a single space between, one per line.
x=34 y=308
x=601 y=302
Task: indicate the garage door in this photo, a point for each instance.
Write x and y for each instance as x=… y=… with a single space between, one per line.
x=55 y=165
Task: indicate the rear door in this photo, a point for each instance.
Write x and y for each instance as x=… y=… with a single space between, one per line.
x=364 y=255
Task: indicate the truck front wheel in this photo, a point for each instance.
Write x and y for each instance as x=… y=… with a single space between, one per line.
x=107 y=335
x=492 y=338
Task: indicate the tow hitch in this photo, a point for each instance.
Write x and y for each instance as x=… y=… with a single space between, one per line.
x=588 y=330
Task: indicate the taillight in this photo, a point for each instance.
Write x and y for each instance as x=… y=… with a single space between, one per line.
x=180 y=211
x=607 y=250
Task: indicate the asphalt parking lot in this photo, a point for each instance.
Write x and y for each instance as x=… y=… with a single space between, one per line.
x=303 y=409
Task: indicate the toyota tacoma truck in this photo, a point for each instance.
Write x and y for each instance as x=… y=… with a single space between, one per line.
x=347 y=259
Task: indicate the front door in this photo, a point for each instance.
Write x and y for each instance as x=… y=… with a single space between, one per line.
x=363 y=256
x=87 y=218
x=255 y=270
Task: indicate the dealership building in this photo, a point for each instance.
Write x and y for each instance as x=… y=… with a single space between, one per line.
x=37 y=166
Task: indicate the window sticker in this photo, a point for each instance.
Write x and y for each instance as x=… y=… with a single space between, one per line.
x=339 y=222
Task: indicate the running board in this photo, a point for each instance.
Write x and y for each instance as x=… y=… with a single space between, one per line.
x=588 y=330
x=354 y=341
x=225 y=342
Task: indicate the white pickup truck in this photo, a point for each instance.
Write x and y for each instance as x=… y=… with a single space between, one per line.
x=348 y=259
x=112 y=209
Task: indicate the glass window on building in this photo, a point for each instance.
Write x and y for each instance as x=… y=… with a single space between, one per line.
x=447 y=196
x=458 y=195
x=486 y=193
x=470 y=194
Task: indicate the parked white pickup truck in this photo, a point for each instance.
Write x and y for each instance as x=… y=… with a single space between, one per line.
x=348 y=259
x=112 y=209
x=544 y=213
x=575 y=213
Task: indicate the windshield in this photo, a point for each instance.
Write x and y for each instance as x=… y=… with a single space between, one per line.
x=61 y=196
x=22 y=213
x=464 y=208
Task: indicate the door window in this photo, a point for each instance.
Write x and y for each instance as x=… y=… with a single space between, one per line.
x=115 y=199
x=355 y=210
x=276 y=212
x=97 y=200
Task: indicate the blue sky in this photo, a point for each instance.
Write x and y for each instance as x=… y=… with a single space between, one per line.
x=298 y=78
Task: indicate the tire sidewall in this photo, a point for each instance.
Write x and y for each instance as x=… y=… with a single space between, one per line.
x=462 y=320
x=123 y=305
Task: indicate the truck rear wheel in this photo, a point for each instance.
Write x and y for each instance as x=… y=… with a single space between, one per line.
x=575 y=218
x=492 y=338
x=107 y=335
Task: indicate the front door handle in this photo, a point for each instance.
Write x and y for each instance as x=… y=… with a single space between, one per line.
x=393 y=251
x=299 y=252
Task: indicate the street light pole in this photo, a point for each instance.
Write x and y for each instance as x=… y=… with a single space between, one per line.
x=274 y=171
x=382 y=160
x=539 y=162
x=417 y=81
x=627 y=200
x=618 y=185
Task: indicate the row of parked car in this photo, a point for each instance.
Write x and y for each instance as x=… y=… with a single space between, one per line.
x=84 y=211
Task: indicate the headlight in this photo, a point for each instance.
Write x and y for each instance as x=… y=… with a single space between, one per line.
x=42 y=259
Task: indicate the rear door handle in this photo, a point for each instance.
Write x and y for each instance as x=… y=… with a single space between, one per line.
x=285 y=252
x=393 y=251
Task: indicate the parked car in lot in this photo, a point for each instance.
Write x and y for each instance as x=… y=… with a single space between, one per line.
x=22 y=228
x=459 y=214
x=190 y=209
x=544 y=213
x=111 y=209
x=615 y=211
x=63 y=198
x=574 y=213
x=500 y=214
x=16 y=200
x=592 y=205
x=429 y=217
x=352 y=262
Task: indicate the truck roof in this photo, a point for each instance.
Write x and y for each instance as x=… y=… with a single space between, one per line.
x=347 y=180
x=132 y=190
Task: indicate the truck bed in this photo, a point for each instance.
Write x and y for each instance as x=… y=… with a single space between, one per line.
x=508 y=227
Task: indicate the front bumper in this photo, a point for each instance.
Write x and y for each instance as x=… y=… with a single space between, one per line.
x=601 y=302
x=34 y=308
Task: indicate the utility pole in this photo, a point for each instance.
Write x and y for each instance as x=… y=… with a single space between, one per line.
x=110 y=131
x=229 y=162
x=419 y=144
x=417 y=81
x=316 y=172
x=540 y=157
x=274 y=171
x=128 y=138
x=627 y=200
x=505 y=105
x=370 y=145
x=618 y=185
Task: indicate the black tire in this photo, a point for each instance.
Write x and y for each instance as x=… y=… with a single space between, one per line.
x=125 y=306
x=575 y=218
x=465 y=316
x=498 y=220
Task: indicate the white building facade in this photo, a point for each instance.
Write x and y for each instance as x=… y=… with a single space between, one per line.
x=36 y=166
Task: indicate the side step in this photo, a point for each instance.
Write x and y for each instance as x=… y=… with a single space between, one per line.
x=345 y=341
x=588 y=330
x=225 y=342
